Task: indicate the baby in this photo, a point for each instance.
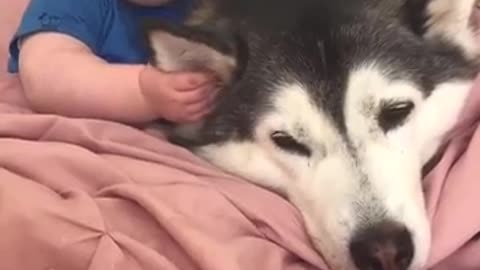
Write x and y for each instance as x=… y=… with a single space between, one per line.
x=86 y=58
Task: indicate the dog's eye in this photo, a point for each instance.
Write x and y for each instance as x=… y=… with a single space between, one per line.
x=288 y=143
x=392 y=115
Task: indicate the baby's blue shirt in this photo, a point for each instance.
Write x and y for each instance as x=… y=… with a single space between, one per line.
x=111 y=28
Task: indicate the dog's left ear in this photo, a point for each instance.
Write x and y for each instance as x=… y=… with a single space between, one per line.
x=193 y=48
x=448 y=20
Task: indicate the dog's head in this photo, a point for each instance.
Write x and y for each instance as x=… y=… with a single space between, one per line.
x=335 y=104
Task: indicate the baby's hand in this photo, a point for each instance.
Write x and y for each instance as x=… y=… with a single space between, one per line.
x=178 y=97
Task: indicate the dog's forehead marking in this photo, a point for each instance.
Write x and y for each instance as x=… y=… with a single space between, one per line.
x=295 y=111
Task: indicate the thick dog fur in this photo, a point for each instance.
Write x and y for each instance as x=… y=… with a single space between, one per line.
x=337 y=105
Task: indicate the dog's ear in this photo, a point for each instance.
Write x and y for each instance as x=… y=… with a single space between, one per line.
x=452 y=21
x=193 y=48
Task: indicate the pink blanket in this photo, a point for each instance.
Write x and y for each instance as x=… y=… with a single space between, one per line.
x=85 y=194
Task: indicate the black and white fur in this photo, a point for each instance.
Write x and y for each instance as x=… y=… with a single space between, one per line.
x=335 y=104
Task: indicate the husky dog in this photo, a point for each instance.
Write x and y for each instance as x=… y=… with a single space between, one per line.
x=335 y=104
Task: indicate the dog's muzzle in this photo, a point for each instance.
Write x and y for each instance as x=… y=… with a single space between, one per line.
x=383 y=246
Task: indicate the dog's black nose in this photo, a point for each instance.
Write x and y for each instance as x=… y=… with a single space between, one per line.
x=384 y=246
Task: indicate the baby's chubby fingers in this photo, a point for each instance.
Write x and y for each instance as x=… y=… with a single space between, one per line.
x=201 y=95
x=199 y=115
x=205 y=104
x=152 y=77
x=178 y=97
x=200 y=110
x=188 y=81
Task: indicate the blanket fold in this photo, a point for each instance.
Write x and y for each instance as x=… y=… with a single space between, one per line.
x=91 y=194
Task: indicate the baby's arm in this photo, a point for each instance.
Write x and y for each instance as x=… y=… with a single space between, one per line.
x=61 y=75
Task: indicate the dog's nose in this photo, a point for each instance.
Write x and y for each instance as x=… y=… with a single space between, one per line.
x=384 y=246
